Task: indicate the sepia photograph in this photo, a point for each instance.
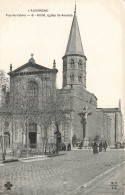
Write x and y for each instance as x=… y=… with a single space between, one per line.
x=62 y=97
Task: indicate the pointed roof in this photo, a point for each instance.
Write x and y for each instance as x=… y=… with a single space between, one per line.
x=31 y=68
x=74 y=45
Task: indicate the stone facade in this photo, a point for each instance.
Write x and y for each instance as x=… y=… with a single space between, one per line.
x=4 y=87
x=115 y=123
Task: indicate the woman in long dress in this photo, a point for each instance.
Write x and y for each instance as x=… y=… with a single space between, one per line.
x=95 y=148
x=100 y=147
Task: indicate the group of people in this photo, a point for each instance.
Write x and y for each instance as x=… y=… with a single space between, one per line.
x=102 y=146
x=63 y=148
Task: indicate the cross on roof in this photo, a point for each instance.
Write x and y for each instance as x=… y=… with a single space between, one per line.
x=32 y=59
x=75 y=8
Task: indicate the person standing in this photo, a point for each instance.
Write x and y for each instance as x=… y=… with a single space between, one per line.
x=100 y=147
x=69 y=147
x=95 y=148
x=105 y=146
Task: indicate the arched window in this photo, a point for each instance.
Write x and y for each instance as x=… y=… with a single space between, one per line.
x=72 y=77
x=6 y=126
x=80 y=65
x=32 y=95
x=80 y=78
x=65 y=66
x=64 y=80
x=72 y=64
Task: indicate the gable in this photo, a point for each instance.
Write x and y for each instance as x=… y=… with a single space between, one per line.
x=29 y=68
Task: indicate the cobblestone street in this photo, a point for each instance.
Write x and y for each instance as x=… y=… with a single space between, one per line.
x=113 y=183
x=57 y=175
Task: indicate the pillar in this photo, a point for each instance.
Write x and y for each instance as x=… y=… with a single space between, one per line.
x=38 y=137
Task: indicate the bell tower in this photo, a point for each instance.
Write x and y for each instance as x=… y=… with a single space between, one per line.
x=74 y=60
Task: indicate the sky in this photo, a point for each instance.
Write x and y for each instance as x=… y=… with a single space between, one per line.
x=101 y=24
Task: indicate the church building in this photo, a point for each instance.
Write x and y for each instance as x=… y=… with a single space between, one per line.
x=28 y=116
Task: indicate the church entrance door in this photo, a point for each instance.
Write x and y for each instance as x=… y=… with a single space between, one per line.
x=33 y=135
x=33 y=140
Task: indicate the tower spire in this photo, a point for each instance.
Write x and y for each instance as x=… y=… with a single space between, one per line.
x=74 y=45
x=75 y=8
x=74 y=60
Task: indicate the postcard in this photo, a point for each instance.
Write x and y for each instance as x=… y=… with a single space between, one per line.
x=62 y=102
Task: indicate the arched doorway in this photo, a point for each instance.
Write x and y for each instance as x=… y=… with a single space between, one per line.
x=7 y=139
x=33 y=135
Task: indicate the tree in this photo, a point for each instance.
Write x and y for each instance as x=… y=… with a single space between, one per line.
x=26 y=106
x=4 y=112
x=54 y=112
x=20 y=103
x=25 y=103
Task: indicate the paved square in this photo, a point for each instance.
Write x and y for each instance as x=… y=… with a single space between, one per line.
x=57 y=175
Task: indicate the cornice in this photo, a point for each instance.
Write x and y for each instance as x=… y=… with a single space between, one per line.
x=74 y=55
x=32 y=72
